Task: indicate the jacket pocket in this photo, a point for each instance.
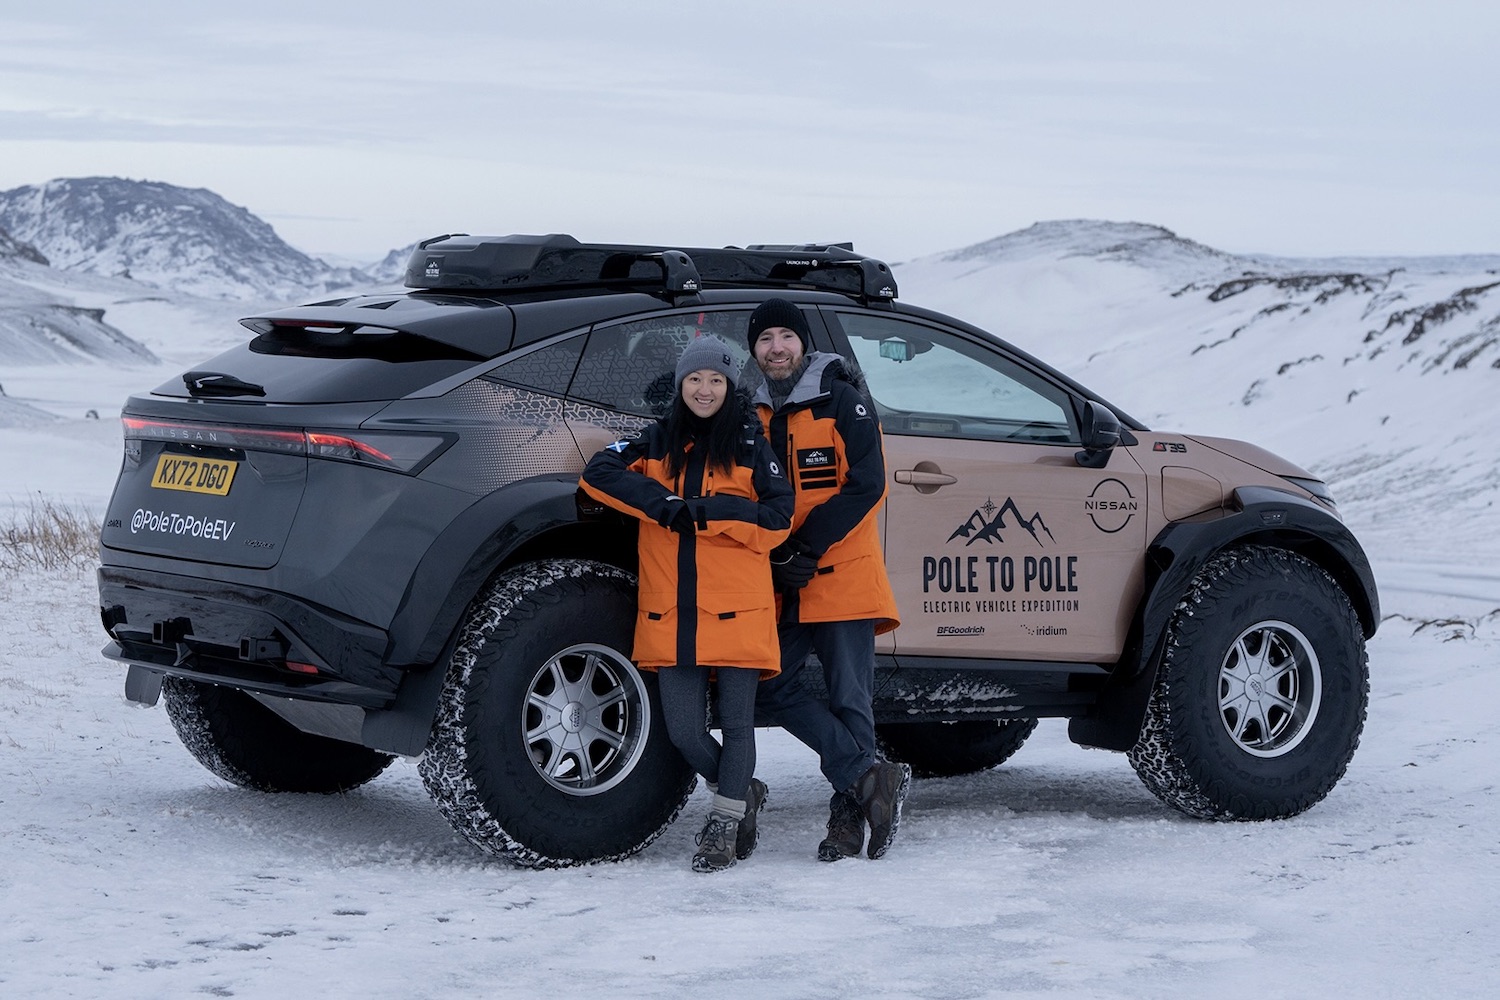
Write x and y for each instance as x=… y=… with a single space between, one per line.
x=656 y=630
x=739 y=630
x=727 y=606
x=854 y=588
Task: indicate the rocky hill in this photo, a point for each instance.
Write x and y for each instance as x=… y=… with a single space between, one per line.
x=13 y=249
x=187 y=240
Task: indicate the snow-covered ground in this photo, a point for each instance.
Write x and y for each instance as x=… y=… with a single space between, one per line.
x=130 y=871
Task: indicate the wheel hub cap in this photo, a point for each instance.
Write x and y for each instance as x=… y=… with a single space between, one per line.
x=1270 y=687
x=585 y=720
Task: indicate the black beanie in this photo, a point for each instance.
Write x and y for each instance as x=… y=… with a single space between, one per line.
x=778 y=312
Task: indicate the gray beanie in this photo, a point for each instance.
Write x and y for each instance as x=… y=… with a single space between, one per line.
x=709 y=353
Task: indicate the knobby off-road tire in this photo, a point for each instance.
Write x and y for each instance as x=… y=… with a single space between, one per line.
x=549 y=748
x=243 y=742
x=948 y=749
x=1261 y=694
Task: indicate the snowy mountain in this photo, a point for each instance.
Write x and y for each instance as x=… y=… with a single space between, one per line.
x=1121 y=242
x=186 y=240
x=1105 y=290
x=1372 y=372
x=391 y=269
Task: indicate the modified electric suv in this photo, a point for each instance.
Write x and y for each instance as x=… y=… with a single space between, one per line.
x=358 y=535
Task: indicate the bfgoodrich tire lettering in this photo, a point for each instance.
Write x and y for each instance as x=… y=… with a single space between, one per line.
x=947 y=749
x=1261 y=694
x=548 y=748
x=245 y=743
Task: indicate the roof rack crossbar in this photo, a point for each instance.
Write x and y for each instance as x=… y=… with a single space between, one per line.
x=875 y=278
x=678 y=273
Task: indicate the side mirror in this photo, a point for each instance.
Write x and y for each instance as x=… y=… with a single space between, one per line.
x=1101 y=432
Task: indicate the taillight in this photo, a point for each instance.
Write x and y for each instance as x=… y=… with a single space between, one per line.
x=396 y=452
x=215 y=435
x=401 y=452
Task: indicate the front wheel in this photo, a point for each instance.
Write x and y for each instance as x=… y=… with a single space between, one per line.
x=1260 y=697
x=549 y=748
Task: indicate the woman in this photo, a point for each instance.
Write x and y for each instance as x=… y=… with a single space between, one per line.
x=712 y=502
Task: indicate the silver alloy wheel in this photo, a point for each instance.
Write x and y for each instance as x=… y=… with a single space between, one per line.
x=1270 y=688
x=586 y=717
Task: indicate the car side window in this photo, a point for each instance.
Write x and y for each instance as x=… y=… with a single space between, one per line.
x=629 y=366
x=547 y=369
x=931 y=382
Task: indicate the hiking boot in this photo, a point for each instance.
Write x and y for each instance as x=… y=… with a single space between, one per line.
x=749 y=835
x=880 y=792
x=846 y=828
x=715 y=844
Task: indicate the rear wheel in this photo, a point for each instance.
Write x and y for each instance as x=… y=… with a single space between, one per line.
x=548 y=748
x=946 y=749
x=1261 y=694
x=242 y=741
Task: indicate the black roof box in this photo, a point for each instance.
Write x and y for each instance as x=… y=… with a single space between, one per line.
x=504 y=263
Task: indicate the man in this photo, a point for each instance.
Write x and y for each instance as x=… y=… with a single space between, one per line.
x=830 y=574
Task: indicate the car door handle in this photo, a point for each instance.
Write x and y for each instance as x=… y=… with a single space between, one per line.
x=920 y=477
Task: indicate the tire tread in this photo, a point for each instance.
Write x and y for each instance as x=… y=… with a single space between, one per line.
x=1169 y=757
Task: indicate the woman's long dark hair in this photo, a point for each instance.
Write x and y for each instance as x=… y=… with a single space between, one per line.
x=720 y=435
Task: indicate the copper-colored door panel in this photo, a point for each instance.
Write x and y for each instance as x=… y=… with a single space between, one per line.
x=1012 y=551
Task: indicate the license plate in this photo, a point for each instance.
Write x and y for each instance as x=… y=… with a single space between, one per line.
x=194 y=475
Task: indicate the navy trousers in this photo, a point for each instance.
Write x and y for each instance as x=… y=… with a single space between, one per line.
x=842 y=728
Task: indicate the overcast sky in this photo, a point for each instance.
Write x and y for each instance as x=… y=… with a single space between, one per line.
x=1315 y=127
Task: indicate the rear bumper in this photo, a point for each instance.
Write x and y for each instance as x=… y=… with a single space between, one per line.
x=243 y=637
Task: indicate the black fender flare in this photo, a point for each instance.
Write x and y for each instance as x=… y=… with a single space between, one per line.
x=1254 y=515
x=539 y=515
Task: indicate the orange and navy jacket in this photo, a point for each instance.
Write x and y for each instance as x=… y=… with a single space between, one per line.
x=828 y=434
x=705 y=598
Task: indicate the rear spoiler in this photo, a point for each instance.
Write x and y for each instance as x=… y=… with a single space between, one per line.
x=369 y=324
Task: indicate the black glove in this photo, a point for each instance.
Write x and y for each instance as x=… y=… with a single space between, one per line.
x=681 y=520
x=792 y=566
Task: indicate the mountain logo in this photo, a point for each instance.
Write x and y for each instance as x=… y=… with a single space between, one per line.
x=987 y=521
x=813 y=458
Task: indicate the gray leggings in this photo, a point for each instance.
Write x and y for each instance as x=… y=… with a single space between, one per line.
x=684 y=702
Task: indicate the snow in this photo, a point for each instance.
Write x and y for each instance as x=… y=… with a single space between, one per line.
x=130 y=871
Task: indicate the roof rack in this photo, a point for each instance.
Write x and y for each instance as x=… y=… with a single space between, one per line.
x=457 y=261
